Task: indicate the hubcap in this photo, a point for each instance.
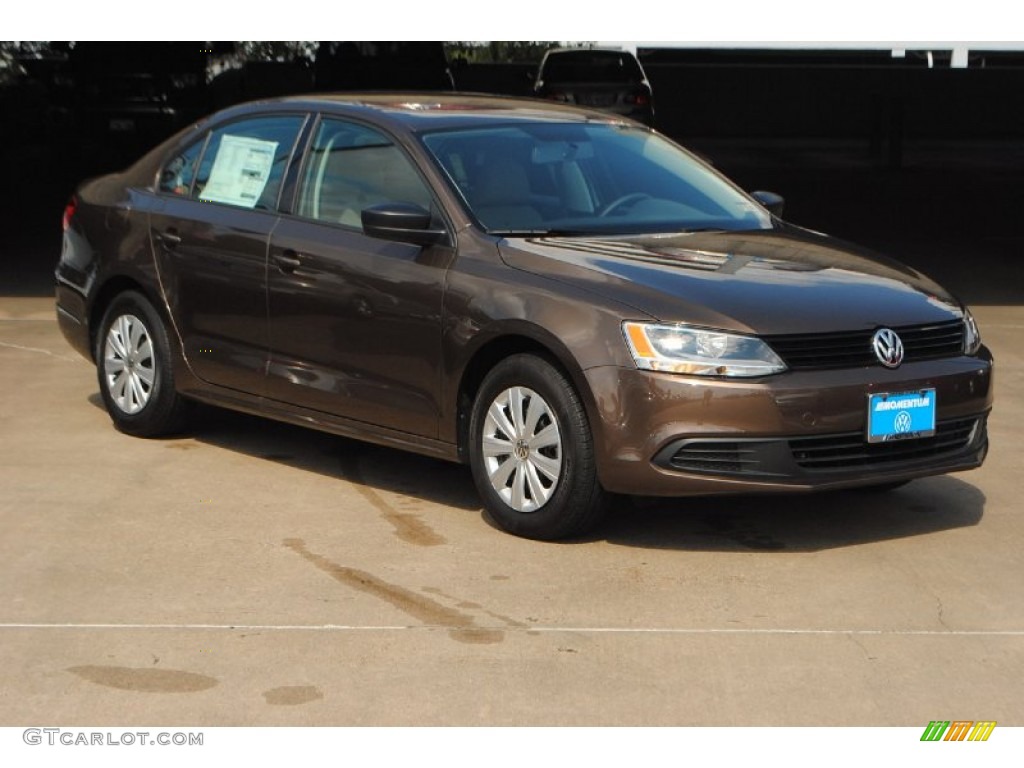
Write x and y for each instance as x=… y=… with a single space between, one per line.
x=522 y=449
x=128 y=365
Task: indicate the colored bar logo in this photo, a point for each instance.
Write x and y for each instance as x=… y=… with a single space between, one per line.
x=958 y=730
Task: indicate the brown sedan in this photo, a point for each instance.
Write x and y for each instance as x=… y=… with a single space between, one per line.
x=564 y=300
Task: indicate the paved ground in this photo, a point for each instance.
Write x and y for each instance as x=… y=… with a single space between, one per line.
x=257 y=573
x=254 y=573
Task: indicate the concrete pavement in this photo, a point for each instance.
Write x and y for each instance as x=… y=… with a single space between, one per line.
x=256 y=573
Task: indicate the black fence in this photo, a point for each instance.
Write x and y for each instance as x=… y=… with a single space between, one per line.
x=835 y=94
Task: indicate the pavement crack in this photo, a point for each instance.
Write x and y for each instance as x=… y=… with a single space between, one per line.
x=940 y=610
x=38 y=350
x=857 y=641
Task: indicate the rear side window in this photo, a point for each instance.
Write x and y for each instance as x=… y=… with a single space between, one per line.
x=244 y=162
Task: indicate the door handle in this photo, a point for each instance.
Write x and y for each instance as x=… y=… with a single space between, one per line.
x=287 y=261
x=169 y=237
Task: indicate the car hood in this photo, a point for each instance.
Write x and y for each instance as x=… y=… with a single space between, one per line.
x=786 y=280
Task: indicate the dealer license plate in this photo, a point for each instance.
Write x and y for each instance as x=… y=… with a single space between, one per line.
x=901 y=416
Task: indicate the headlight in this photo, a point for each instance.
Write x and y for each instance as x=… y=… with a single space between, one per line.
x=699 y=351
x=972 y=339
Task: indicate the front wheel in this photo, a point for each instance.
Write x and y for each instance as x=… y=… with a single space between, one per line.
x=532 y=453
x=133 y=364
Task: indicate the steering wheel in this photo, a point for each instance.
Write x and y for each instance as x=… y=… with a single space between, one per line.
x=619 y=202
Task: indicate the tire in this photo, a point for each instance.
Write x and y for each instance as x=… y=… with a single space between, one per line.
x=532 y=453
x=133 y=366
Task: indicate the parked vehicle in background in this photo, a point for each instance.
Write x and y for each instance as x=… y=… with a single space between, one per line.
x=604 y=79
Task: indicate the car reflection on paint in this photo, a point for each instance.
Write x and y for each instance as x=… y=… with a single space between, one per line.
x=564 y=300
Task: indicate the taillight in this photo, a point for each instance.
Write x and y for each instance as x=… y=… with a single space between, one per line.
x=558 y=96
x=69 y=212
x=640 y=99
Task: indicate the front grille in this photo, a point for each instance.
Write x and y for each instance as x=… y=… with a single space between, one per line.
x=853 y=349
x=715 y=456
x=852 y=449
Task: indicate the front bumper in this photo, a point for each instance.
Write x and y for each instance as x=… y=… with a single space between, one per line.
x=668 y=435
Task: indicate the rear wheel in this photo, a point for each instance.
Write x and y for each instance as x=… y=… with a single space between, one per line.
x=531 y=451
x=133 y=364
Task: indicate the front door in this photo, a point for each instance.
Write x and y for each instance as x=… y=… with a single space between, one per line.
x=355 y=322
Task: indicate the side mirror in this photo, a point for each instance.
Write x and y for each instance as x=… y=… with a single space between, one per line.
x=773 y=202
x=403 y=223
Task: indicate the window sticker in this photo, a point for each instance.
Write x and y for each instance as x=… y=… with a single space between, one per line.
x=240 y=171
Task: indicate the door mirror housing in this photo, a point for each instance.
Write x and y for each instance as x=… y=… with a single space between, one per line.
x=403 y=223
x=773 y=202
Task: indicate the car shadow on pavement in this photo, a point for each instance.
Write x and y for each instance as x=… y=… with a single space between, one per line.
x=795 y=522
x=359 y=463
x=764 y=523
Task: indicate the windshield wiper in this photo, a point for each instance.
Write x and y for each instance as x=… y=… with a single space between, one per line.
x=519 y=232
x=539 y=232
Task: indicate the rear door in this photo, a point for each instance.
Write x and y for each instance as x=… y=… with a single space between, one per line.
x=210 y=238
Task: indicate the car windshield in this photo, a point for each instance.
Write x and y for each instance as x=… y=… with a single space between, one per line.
x=593 y=178
x=591 y=67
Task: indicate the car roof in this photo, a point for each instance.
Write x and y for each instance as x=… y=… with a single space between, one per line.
x=416 y=112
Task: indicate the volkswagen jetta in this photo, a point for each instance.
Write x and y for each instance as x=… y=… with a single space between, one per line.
x=562 y=299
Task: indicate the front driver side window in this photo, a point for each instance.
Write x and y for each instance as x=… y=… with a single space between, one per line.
x=350 y=168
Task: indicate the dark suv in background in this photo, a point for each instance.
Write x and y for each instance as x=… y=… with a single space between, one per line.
x=604 y=79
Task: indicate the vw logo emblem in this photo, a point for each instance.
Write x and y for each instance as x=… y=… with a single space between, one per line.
x=888 y=347
x=903 y=422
